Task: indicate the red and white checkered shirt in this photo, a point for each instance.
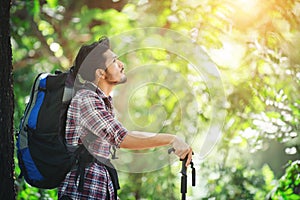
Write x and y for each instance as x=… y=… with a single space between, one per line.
x=92 y=112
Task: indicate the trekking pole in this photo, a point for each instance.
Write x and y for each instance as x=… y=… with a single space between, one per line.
x=183 y=172
x=183 y=189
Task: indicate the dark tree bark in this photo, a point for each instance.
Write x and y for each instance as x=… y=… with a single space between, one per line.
x=7 y=189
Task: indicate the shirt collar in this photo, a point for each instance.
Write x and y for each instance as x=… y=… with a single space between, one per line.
x=100 y=92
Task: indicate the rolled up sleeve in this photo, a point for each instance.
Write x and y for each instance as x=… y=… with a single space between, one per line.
x=98 y=120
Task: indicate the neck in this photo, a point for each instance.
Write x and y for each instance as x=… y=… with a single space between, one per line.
x=106 y=88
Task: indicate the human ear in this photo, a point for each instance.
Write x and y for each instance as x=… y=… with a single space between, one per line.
x=100 y=73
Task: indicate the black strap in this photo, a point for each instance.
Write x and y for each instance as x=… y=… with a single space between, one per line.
x=114 y=178
x=193 y=174
x=84 y=158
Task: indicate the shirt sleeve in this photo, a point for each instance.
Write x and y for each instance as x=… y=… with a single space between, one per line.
x=98 y=120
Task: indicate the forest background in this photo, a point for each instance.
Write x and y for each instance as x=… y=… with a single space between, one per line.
x=254 y=45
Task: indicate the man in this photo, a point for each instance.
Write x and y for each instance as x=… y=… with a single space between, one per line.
x=91 y=121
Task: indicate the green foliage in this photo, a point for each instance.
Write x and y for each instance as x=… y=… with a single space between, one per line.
x=236 y=182
x=288 y=186
x=52 y=3
x=156 y=185
x=27 y=192
x=252 y=42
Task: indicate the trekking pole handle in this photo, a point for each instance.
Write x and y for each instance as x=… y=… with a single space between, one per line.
x=184 y=168
x=171 y=150
x=183 y=160
x=183 y=165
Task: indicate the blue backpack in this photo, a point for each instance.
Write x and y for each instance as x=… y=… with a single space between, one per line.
x=43 y=157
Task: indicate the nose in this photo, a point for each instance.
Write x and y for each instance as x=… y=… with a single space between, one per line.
x=121 y=64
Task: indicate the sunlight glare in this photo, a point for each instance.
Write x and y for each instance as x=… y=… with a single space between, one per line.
x=230 y=55
x=246 y=5
x=247 y=12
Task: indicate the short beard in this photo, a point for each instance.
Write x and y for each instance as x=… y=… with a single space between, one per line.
x=123 y=80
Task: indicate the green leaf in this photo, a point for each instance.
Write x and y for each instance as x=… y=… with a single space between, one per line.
x=52 y=3
x=268 y=175
x=36 y=8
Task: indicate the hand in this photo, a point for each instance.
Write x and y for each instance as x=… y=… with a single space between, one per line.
x=182 y=149
x=189 y=159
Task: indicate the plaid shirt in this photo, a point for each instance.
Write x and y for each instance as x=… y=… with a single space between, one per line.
x=92 y=112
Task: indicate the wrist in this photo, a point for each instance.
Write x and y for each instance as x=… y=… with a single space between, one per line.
x=173 y=138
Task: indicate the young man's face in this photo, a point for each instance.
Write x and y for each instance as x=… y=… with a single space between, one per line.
x=115 y=68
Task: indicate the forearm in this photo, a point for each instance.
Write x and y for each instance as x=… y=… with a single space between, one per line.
x=136 y=140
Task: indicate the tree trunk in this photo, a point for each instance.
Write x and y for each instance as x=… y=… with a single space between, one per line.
x=7 y=189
